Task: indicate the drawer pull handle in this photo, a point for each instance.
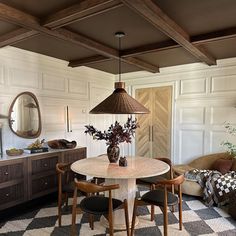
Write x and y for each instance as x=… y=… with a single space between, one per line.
x=7 y=194
x=6 y=173
x=45 y=165
x=46 y=183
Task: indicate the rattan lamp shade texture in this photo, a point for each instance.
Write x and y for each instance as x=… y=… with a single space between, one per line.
x=119 y=102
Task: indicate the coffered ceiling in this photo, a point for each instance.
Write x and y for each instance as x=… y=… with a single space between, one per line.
x=159 y=33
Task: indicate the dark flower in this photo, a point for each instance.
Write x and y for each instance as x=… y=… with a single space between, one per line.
x=116 y=133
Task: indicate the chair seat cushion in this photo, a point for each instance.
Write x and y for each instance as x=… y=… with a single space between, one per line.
x=151 y=180
x=98 y=205
x=156 y=197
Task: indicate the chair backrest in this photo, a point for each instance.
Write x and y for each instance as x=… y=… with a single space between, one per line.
x=176 y=181
x=62 y=168
x=65 y=175
x=173 y=182
x=89 y=187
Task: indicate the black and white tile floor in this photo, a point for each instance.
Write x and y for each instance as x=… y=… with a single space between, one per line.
x=197 y=220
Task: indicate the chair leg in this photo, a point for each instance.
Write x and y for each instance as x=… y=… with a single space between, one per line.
x=134 y=216
x=91 y=221
x=152 y=212
x=59 y=209
x=152 y=206
x=165 y=215
x=126 y=216
x=180 y=214
x=66 y=198
x=110 y=221
x=74 y=207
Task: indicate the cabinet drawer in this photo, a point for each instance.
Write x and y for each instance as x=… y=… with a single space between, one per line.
x=44 y=184
x=11 y=172
x=44 y=164
x=12 y=193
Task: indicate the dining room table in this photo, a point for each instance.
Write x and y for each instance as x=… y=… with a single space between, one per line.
x=125 y=176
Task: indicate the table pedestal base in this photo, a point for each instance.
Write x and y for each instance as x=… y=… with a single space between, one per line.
x=126 y=191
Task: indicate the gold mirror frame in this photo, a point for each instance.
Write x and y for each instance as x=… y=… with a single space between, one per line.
x=39 y=116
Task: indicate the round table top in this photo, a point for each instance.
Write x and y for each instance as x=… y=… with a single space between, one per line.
x=138 y=167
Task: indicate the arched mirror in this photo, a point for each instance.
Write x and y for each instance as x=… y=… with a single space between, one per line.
x=24 y=116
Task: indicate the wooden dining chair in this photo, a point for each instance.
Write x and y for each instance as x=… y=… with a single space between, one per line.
x=162 y=198
x=153 y=182
x=98 y=204
x=65 y=186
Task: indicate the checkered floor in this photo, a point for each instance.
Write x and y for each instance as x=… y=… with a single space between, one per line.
x=197 y=220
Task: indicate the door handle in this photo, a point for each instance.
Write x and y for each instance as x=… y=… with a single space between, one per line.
x=152 y=134
x=149 y=133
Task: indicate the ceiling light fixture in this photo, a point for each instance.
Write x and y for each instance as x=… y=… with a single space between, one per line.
x=119 y=102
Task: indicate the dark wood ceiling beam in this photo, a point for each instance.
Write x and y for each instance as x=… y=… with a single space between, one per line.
x=16 y=36
x=214 y=36
x=98 y=58
x=80 y=11
x=152 y=13
x=150 y=48
x=18 y=17
x=84 y=41
x=170 y=44
x=88 y=61
x=141 y=64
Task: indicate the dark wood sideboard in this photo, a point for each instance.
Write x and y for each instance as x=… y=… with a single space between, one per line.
x=32 y=176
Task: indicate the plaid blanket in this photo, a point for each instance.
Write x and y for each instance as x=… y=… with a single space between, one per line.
x=217 y=188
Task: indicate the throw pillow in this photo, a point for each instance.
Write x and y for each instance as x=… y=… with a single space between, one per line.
x=222 y=165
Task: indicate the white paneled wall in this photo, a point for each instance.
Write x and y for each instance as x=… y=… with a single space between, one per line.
x=203 y=99
x=56 y=86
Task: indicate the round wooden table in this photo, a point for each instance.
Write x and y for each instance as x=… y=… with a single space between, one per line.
x=138 y=167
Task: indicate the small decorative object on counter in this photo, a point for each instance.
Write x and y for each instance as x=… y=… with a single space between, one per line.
x=36 y=147
x=36 y=150
x=61 y=144
x=123 y=161
x=14 y=152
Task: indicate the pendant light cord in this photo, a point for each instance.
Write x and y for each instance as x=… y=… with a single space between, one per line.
x=119 y=70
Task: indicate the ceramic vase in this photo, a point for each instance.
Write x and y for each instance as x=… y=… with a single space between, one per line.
x=113 y=153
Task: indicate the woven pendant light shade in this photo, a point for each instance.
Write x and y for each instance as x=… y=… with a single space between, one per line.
x=119 y=102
